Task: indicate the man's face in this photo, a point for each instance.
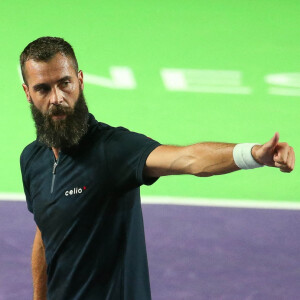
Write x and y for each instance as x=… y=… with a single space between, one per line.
x=57 y=102
x=52 y=83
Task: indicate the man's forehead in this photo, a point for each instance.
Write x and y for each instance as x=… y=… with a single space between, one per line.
x=57 y=67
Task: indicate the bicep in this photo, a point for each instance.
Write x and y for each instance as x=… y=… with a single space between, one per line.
x=168 y=160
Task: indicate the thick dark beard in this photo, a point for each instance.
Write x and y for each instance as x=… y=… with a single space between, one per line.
x=63 y=133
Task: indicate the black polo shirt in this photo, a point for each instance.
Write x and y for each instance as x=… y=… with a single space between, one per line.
x=89 y=213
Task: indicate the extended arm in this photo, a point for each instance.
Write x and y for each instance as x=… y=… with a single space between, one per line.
x=202 y=159
x=210 y=158
x=39 y=267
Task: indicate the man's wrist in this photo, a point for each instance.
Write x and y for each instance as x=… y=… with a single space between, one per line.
x=254 y=154
x=243 y=157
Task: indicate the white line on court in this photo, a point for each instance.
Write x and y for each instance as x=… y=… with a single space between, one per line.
x=167 y=200
x=12 y=197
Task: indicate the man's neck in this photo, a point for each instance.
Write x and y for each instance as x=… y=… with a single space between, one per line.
x=56 y=152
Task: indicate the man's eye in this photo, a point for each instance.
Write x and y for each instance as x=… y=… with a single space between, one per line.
x=43 y=90
x=65 y=83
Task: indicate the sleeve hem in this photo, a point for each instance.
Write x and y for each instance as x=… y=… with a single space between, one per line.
x=140 y=178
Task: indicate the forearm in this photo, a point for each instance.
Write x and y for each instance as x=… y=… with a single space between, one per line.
x=39 y=267
x=210 y=158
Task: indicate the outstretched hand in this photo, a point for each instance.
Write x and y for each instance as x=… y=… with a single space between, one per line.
x=275 y=154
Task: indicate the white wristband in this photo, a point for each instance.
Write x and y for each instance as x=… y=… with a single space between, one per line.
x=243 y=158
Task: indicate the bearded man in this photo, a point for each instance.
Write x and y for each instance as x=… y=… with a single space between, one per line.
x=81 y=178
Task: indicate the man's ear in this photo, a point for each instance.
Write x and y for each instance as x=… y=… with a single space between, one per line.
x=26 y=90
x=80 y=78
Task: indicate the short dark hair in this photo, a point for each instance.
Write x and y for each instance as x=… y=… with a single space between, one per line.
x=45 y=48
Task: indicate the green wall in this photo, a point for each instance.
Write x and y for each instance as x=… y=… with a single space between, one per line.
x=253 y=39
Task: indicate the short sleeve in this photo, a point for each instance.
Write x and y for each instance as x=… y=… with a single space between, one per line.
x=127 y=153
x=26 y=185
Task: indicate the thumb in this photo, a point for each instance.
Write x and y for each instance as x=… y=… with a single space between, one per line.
x=271 y=144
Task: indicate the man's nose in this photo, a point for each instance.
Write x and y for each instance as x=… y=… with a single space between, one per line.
x=55 y=97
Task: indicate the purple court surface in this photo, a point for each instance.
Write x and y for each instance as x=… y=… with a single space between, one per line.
x=194 y=252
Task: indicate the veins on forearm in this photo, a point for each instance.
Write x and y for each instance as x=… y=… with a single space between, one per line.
x=212 y=158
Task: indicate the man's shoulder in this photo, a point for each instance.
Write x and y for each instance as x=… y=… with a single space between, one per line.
x=107 y=131
x=115 y=134
x=29 y=151
x=30 y=147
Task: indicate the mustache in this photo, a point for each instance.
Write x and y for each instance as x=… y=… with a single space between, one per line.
x=59 y=110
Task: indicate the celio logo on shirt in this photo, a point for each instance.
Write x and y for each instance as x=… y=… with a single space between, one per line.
x=75 y=191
